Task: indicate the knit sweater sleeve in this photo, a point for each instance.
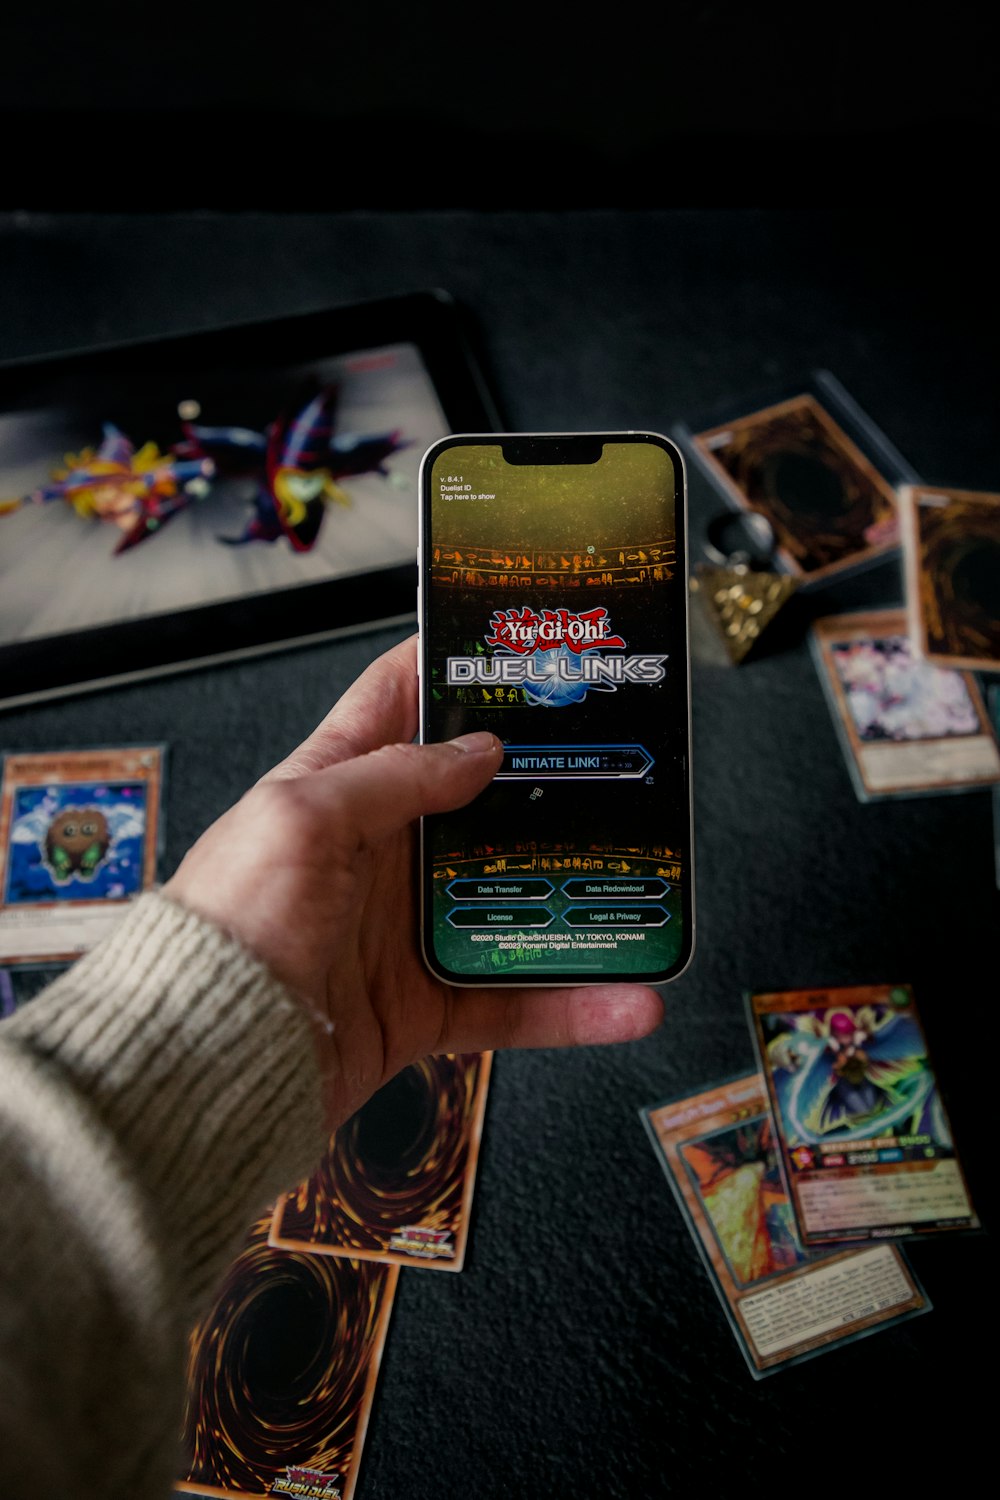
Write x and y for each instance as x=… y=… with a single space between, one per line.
x=152 y=1100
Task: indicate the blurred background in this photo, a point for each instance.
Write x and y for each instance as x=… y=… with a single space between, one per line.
x=324 y=107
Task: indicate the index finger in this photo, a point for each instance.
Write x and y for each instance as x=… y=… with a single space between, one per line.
x=380 y=708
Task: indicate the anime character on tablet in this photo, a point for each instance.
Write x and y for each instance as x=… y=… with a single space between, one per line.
x=298 y=463
x=137 y=490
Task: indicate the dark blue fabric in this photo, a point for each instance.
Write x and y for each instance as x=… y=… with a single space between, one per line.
x=583 y=1351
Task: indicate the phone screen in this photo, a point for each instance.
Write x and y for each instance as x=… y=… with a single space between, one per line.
x=553 y=613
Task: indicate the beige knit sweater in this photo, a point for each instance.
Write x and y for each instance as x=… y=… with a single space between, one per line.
x=152 y=1100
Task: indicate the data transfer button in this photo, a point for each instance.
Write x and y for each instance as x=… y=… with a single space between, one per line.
x=500 y=888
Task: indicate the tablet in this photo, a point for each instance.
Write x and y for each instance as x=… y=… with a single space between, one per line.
x=171 y=504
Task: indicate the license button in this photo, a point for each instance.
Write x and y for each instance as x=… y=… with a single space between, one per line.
x=514 y=918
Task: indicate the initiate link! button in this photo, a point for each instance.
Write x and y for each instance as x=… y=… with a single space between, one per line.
x=572 y=762
x=499 y=917
x=616 y=916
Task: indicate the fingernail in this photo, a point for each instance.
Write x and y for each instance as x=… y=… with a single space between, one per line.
x=476 y=744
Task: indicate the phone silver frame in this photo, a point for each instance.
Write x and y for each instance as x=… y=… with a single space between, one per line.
x=499 y=437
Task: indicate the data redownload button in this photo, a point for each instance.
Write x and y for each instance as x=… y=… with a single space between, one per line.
x=615 y=887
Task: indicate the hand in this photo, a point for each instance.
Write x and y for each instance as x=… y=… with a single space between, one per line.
x=314 y=872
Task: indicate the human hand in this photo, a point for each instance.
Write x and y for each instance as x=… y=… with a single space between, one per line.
x=314 y=872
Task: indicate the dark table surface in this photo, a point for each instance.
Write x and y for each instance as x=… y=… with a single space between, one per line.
x=582 y=1351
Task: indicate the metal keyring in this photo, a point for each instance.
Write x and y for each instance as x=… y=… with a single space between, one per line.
x=725 y=533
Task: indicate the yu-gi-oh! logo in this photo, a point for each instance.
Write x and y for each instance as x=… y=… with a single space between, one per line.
x=556 y=656
x=524 y=631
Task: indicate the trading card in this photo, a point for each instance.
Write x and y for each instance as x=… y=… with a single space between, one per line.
x=906 y=725
x=784 y=1303
x=397 y=1182
x=829 y=506
x=282 y=1374
x=20 y=983
x=79 y=840
x=952 y=548
x=864 y=1137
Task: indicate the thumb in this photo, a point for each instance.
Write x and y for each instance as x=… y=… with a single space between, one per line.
x=384 y=790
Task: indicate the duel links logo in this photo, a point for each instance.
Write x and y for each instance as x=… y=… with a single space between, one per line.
x=555 y=655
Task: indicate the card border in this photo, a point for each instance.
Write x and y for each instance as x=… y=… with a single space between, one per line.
x=394 y=1257
x=155 y=837
x=864 y=555
x=908 y=501
x=888 y=1235
x=771 y=1364
x=381 y=1333
x=877 y=623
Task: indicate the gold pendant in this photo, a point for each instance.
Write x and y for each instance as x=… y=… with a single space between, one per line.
x=741 y=602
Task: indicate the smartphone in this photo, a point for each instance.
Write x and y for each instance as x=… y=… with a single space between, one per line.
x=553 y=612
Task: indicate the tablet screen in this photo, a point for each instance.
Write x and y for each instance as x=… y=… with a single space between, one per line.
x=130 y=493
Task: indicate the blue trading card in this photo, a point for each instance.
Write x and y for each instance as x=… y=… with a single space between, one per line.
x=76 y=841
x=79 y=840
